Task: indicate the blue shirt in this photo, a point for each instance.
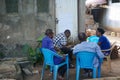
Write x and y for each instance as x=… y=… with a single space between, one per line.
x=90 y=47
x=47 y=42
x=105 y=44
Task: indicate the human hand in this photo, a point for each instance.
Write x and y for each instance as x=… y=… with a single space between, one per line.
x=57 y=49
x=69 y=46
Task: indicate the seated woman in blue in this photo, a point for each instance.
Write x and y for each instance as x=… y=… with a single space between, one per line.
x=47 y=42
x=103 y=42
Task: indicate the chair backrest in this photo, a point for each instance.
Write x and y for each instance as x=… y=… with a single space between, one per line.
x=48 y=56
x=113 y=45
x=111 y=48
x=85 y=59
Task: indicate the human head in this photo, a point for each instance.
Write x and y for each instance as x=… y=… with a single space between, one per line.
x=82 y=36
x=49 y=33
x=88 y=32
x=100 y=31
x=67 y=33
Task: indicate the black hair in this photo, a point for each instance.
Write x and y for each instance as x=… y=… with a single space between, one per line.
x=48 y=31
x=102 y=31
x=67 y=31
x=82 y=36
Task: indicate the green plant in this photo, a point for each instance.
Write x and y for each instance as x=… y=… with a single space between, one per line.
x=33 y=54
x=1 y=55
x=39 y=56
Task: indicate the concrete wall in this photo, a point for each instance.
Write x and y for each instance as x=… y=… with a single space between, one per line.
x=111 y=17
x=17 y=29
x=25 y=26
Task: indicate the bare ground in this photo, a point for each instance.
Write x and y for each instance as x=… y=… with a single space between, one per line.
x=105 y=72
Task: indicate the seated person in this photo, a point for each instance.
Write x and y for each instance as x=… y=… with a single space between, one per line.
x=47 y=42
x=103 y=42
x=60 y=43
x=86 y=46
x=93 y=37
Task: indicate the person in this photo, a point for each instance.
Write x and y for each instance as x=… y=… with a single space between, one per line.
x=88 y=32
x=86 y=46
x=60 y=44
x=93 y=37
x=47 y=42
x=103 y=42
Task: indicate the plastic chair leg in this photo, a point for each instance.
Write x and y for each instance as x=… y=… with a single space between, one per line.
x=77 y=73
x=43 y=70
x=109 y=64
x=99 y=71
x=94 y=73
x=55 y=73
x=67 y=71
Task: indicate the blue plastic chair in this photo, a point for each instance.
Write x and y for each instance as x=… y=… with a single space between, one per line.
x=84 y=60
x=48 y=60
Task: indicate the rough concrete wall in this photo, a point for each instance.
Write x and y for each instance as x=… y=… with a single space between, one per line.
x=111 y=17
x=81 y=13
x=25 y=26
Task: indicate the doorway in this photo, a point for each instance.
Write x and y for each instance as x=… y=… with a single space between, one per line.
x=67 y=16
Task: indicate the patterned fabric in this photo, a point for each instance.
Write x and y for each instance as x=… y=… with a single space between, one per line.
x=60 y=40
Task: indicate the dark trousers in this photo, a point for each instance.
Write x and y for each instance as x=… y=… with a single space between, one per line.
x=68 y=51
x=62 y=69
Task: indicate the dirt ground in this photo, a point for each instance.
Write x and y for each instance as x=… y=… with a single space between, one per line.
x=104 y=73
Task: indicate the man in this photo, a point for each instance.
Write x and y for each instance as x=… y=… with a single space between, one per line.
x=103 y=42
x=47 y=42
x=60 y=43
x=86 y=46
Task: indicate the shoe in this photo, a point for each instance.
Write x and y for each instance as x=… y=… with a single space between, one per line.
x=71 y=66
